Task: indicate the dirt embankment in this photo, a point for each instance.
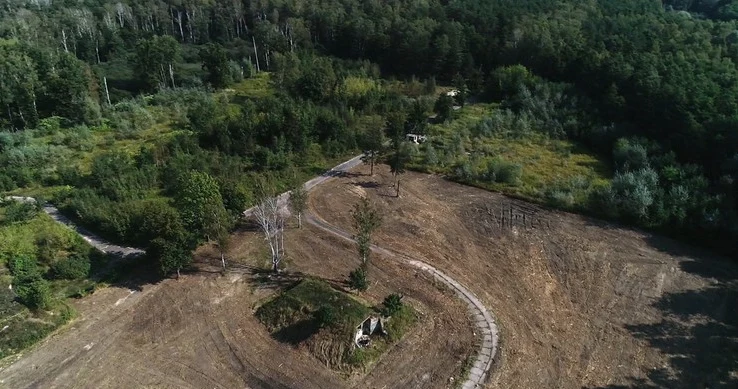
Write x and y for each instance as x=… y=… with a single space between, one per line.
x=580 y=303
x=200 y=332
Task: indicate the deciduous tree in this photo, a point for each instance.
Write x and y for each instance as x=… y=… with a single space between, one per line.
x=298 y=203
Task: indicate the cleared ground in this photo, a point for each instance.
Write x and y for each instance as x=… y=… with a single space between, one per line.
x=200 y=332
x=580 y=303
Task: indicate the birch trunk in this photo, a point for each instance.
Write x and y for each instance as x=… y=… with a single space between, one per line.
x=256 y=54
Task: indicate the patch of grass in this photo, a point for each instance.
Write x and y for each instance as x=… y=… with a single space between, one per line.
x=314 y=313
x=256 y=87
x=20 y=328
x=396 y=327
x=555 y=171
x=292 y=311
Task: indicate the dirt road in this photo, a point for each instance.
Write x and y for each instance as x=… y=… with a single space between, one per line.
x=94 y=240
x=482 y=317
x=580 y=303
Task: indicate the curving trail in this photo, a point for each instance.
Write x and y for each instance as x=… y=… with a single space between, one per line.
x=94 y=240
x=483 y=319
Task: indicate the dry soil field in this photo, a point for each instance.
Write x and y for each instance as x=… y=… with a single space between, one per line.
x=579 y=304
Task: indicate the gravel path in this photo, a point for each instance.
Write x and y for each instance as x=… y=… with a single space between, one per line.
x=482 y=318
x=94 y=240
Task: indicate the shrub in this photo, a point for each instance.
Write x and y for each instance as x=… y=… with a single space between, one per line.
x=357 y=279
x=392 y=304
x=18 y=211
x=325 y=316
x=629 y=156
x=71 y=268
x=499 y=170
x=560 y=198
x=35 y=293
x=431 y=158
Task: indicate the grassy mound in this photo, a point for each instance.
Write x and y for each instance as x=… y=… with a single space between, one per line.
x=313 y=314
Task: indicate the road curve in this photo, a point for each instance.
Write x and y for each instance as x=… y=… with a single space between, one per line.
x=482 y=318
x=94 y=240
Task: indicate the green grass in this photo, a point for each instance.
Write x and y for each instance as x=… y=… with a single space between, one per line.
x=547 y=164
x=290 y=317
x=396 y=327
x=293 y=309
x=19 y=326
x=256 y=87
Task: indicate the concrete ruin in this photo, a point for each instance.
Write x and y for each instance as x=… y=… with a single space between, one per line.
x=415 y=138
x=372 y=325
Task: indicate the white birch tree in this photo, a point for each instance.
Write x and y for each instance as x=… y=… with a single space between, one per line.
x=269 y=216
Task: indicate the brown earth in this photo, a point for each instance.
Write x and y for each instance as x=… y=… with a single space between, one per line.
x=200 y=332
x=580 y=303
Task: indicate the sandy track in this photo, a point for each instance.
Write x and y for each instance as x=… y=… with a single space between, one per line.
x=579 y=303
x=482 y=318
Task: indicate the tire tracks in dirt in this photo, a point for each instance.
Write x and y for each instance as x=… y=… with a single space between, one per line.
x=483 y=320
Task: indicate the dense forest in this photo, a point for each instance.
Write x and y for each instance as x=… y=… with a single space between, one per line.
x=155 y=123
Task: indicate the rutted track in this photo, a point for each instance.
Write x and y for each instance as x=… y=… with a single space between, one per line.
x=482 y=318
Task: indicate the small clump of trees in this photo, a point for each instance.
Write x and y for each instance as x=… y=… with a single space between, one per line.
x=366 y=220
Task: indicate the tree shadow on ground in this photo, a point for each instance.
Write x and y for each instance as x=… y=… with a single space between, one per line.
x=364 y=184
x=699 y=330
x=297 y=332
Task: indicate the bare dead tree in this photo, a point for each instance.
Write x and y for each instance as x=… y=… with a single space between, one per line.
x=270 y=218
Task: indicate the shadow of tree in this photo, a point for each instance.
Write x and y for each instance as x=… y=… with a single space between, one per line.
x=698 y=335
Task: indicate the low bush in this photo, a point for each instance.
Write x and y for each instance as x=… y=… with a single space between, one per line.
x=71 y=268
x=357 y=279
x=392 y=304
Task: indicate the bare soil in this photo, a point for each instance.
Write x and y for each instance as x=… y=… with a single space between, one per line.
x=579 y=302
x=200 y=331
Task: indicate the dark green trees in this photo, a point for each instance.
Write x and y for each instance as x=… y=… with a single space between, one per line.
x=215 y=62
x=367 y=220
x=155 y=62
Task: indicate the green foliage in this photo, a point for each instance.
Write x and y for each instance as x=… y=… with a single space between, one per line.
x=215 y=61
x=171 y=255
x=444 y=107
x=34 y=293
x=629 y=156
x=199 y=201
x=366 y=220
x=20 y=211
x=71 y=268
x=372 y=144
x=358 y=279
x=298 y=202
x=155 y=58
x=32 y=290
x=499 y=170
x=392 y=304
x=325 y=316
x=309 y=300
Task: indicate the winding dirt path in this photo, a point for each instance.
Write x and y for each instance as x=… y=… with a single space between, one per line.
x=483 y=319
x=94 y=240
